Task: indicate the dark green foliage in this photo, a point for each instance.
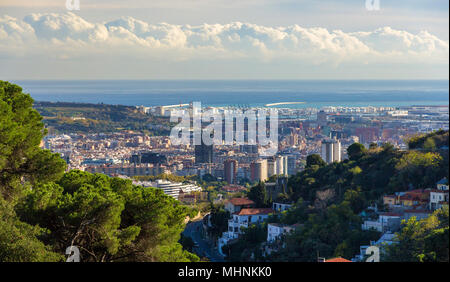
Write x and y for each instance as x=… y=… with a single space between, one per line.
x=376 y=172
x=219 y=221
x=19 y=241
x=208 y=178
x=258 y=194
x=314 y=160
x=333 y=232
x=429 y=142
x=21 y=131
x=330 y=198
x=109 y=219
x=356 y=151
x=22 y=164
x=43 y=211
x=187 y=243
x=247 y=248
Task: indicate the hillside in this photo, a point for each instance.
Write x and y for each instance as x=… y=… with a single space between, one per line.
x=62 y=117
x=330 y=198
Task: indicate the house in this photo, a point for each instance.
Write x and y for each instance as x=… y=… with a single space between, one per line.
x=372 y=225
x=390 y=200
x=390 y=221
x=420 y=195
x=387 y=221
x=407 y=200
x=275 y=230
x=236 y=204
x=280 y=207
x=414 y=198
x=242 y=219
x=442 y=184
x=438 y=198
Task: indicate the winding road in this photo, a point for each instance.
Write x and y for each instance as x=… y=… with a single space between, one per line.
x=204 y=248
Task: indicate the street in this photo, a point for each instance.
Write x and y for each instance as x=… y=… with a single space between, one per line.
x=203 y=247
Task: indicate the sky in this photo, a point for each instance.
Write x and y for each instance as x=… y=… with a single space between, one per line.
x=224 y=39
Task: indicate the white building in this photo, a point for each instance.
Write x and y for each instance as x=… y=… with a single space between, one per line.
x=240 y=220
x=280 y=207
x=172 y=189
x=258 y=170
x=386 y=222
x=281 y=165
x=437 y=199
x=331 y=150
x=275 y=230
x=271 y=167
x=234 y=205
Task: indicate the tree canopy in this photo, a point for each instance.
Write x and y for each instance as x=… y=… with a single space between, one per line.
x=44 y=210
x=425 y=240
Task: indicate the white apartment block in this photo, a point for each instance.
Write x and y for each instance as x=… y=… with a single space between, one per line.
x=242 y=219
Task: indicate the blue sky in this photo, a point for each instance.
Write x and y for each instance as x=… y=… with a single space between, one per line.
x=213 y=39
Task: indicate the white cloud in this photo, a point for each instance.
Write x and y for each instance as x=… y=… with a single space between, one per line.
x=68 y=36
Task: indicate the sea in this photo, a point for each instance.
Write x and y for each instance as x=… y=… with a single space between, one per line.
x=242 y=93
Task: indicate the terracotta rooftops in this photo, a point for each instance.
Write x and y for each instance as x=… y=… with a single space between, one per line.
x=339 y=259
x=255 y=211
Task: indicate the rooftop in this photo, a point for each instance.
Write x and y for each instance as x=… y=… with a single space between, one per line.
x=255 y=211
x=339 y=259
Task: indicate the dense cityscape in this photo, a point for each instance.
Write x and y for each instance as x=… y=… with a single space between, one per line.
x=232 y=170
x=302 y=132
x=224 y=139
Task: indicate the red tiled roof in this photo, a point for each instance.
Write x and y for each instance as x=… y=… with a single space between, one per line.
x=417 y=191
x=339 y=259
x=241 y=201
x=407 y=197
x=255 y=211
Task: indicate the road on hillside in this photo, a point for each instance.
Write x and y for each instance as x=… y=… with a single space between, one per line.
x=203 y=247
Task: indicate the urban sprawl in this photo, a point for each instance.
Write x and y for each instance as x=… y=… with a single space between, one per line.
x=326 y=131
